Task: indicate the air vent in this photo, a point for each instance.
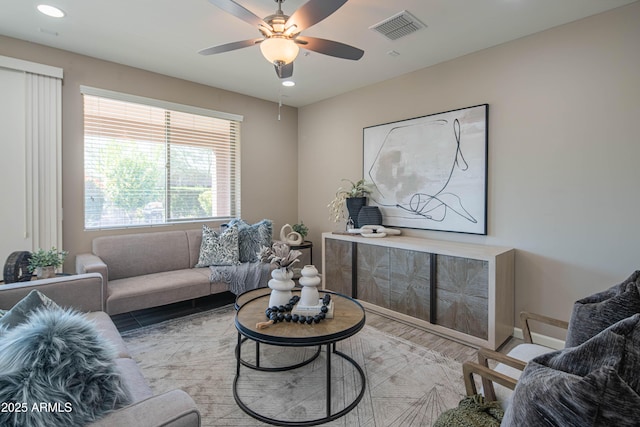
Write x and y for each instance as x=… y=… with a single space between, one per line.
x=399 y=25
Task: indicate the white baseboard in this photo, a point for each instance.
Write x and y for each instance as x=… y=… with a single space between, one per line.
x=544 y=340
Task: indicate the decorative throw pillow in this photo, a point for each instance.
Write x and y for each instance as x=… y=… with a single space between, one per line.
x=597 y=312
x=252 y=237
x=21 y=311
x=593 y=384
x=58 y=371
x=218 y=249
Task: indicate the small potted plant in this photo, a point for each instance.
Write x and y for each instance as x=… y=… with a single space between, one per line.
x=45 y=263
x=301 y=229
x=354 y=198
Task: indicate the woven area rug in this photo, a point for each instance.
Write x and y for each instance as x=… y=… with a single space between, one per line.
x=407 y=385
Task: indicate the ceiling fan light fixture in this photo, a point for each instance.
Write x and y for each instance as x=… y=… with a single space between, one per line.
x=279 y=50
x=290 y=31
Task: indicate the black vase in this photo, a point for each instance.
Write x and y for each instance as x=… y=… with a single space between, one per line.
x=369 y=215
x=354 y=204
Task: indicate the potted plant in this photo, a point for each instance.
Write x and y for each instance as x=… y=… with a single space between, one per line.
x=354 y=198
x=45 y=263
x=301 y=229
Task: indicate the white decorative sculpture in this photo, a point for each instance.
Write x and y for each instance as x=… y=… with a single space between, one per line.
x=374 y=231
x=289 y=236
x=309 y=282
x=281 y=285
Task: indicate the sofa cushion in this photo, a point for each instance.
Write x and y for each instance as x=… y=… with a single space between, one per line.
x=20 y=312
x=597 y=312
x=595 y=383
x=218 y=248
x=58 y=358
x=132 y=255
x=251 y=238
x=152 y=290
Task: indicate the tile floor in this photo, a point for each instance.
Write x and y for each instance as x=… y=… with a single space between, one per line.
x=149 y=316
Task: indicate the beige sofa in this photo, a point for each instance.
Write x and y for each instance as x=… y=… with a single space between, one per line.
x=85 y=293
x=148 y=269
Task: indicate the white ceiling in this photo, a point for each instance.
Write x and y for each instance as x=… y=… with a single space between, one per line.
x=165 y=35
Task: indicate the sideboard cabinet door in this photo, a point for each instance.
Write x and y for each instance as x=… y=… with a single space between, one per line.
x=338 y=266
x=461 y=287
x=373 y=275
x=410 y=283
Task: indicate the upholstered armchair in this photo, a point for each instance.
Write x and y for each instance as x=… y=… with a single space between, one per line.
x=498 y=382
x=593 y=381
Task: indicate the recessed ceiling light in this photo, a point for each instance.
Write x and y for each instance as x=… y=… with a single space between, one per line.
x=49 y=10
x=288 y=83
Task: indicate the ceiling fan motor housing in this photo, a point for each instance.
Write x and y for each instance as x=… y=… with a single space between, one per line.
x=280 y=32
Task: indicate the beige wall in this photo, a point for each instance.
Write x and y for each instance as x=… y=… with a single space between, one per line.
x=564 y=121
x=269 y=190
x=563 y=142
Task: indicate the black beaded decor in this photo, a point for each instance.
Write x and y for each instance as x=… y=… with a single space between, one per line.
x=281 y=313
x=369 y=215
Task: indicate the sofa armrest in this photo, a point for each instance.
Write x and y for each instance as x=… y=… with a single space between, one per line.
x=83 y=292
x=90 y=263
x=174 y=408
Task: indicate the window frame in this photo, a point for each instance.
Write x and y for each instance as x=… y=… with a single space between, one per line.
x=234 y=197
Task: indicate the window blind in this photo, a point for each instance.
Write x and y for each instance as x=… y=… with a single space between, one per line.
x=146 y=164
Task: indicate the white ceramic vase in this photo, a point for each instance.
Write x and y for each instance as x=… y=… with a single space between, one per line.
x=281 y=285
x=309 y=282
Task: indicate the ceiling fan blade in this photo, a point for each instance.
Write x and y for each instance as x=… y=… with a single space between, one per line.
x=330 y=47
x=239 y=12
x=229 y=46
x=313 y=12
x=284 y=71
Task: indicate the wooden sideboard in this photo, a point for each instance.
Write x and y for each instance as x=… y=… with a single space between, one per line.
x=460 y=290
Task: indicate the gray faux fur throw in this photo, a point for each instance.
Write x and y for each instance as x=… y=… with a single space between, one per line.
x=55 y=370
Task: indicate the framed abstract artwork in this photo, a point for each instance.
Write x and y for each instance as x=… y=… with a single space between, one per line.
x=430 y=172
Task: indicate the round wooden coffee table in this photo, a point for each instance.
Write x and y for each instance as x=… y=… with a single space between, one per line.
x=349 y=318
x=240 y=301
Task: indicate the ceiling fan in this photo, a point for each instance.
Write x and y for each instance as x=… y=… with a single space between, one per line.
x=281 y=33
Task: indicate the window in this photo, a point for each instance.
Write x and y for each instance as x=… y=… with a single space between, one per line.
x=151 y=162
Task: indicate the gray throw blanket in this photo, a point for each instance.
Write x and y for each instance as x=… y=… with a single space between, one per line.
x=243 y=277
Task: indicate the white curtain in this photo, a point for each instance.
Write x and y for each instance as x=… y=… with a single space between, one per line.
x=43 y=143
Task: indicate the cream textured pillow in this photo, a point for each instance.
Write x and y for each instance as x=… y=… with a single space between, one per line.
x=218 y=249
